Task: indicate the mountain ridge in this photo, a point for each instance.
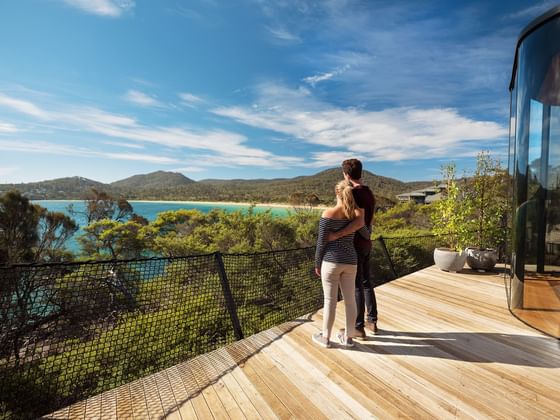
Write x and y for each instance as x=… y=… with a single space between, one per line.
x=174 y=186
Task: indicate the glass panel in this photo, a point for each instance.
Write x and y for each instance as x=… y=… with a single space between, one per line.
x=535 y=284
x=552 y=258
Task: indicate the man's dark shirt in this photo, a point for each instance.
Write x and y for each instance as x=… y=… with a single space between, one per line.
x=365 y=200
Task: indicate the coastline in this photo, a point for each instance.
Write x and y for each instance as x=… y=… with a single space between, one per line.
x=212 y=203
x=225 y=203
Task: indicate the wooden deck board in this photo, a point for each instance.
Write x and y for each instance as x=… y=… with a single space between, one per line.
x=184 y=403
x=124 y=406
x=447 y=348
x=138 y=400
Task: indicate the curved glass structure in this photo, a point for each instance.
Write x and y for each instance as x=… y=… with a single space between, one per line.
x=534 y=166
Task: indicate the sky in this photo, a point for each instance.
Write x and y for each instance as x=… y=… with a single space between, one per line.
x=228 y=89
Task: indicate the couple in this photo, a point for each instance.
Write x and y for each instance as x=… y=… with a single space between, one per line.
x=342 y=258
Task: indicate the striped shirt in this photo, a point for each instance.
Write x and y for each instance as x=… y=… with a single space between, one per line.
x=341 y=251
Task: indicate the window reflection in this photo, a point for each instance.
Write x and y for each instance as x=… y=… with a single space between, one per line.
x=535 y=282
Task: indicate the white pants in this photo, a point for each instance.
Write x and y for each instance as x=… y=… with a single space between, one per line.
x=333 y=276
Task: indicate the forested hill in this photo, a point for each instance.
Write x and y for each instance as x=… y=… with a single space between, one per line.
x=174 y=186
x=154 y=180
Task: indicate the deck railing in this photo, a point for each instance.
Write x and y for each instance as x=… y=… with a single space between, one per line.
x=69 y=331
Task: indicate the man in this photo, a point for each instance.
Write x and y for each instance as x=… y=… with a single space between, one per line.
x=365 y=294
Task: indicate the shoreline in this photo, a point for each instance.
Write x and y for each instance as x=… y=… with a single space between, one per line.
x=211 y=203
x=227 y=203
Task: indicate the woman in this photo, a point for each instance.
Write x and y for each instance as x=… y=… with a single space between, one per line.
x=336 y=264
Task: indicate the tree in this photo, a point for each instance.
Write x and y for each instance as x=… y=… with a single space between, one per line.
x=113 y=229
x=302 y=202
x=115 y=240
x=100 y=205
x=28 y=234
x=31 y=233
x=487 y=196
x=450 y=214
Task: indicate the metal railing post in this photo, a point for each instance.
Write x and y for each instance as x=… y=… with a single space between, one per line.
x=230 y=303
x=386 y=252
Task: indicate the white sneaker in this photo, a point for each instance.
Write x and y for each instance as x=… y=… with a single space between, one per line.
x=343 y=339
x=319 y=339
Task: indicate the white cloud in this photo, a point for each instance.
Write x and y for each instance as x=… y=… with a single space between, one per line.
x=42 y=147
x=269 y=161
x=7 y=128
x=24 y=107
x=189 y=169
x=110 y=8
x=313 y=80
x=532 y=11
x=389 y=135
x=190 y=99
x=403 y=56
x=283 y=34
x=127 y=145
x=142 y=99
x=221 y=145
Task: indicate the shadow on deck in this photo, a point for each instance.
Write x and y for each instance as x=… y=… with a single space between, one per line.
x=447 y=347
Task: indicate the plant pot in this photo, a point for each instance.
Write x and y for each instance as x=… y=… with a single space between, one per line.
x=447 y=259
x=482 y=259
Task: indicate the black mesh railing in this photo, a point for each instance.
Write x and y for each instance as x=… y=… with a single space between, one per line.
x=70 y=331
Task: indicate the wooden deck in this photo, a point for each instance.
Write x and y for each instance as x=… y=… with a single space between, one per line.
x=447 y=347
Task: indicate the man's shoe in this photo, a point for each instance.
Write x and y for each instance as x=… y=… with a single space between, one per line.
x=319 y=339
x=361 y=333
x=372 y=326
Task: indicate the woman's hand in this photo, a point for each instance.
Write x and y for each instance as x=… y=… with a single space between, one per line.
x=318 y=271
x=332 y=236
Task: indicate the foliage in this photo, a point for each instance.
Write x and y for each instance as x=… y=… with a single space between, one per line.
x=103 y=333
x=101 y=205
x=172 y=186
x=474 y=212
x=31 y=233
x=187 y=232
x=404 y=219
x=450 y=216
x=113 y=239
x=487 y=196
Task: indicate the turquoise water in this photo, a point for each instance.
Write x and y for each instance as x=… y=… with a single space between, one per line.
x=150 y=210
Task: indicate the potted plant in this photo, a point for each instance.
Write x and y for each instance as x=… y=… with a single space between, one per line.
x=449 y=220
x=486 y=195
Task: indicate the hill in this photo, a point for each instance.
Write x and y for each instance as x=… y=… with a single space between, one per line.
x=322 y=184
x=159 y=179
x=71 y=188
x=174 y=186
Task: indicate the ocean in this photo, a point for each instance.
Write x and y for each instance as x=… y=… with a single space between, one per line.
x=150 y=210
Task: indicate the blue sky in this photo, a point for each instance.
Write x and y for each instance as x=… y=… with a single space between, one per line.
x=107 y=89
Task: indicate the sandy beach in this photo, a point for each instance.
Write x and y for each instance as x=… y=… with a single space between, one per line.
x=224 y=203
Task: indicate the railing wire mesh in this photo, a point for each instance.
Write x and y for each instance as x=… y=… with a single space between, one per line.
x=70 y=331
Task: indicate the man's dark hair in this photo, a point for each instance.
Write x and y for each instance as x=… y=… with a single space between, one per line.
x=352 y=168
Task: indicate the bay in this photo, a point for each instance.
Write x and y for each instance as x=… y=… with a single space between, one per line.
x=150 y=210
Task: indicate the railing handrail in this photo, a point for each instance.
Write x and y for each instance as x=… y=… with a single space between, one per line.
x=144 y=259
x=179 y=257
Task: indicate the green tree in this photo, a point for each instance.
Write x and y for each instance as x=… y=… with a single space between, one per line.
x=101 y=205
x=450 y=213
x=31 y=233
x=28 y=234
x=486 y=193
x=114 y=239
x=113 y=230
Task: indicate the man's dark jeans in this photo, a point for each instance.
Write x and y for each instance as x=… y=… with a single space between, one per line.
x=365 y=294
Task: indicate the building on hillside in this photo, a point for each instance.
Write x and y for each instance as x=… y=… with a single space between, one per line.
x=423 y=196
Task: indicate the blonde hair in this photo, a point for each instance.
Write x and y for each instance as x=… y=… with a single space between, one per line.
x=344 y=191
